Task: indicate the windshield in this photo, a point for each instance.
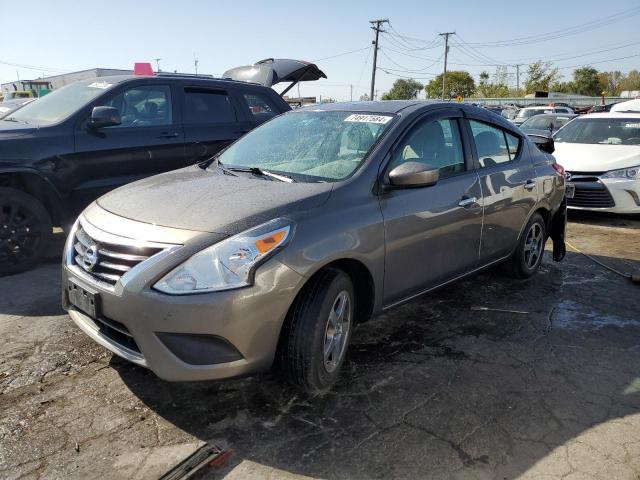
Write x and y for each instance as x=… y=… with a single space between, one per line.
x=606 y=131
x=526 y=113
x=538 y=122
x=60 y=104
x=309 y=145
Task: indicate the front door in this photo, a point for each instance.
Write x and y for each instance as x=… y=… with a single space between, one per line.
x=148 y=141
x=432 y=234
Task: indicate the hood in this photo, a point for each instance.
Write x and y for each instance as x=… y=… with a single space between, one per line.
x=581 y=157
x=212 y=201
x=15 y=129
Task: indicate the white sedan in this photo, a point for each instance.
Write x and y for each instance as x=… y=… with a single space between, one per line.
x=601 y=155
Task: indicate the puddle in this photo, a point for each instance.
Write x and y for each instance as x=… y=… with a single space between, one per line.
x=571 y=315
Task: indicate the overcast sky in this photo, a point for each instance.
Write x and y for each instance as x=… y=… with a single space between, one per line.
x=59 y=36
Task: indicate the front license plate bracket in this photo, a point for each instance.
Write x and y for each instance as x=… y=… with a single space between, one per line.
x=83 y=299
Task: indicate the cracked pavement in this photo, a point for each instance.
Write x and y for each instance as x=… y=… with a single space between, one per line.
x=437 y=388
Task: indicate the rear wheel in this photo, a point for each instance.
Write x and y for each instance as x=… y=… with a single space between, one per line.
x=317 y=332
x=25 y=231
x=528 y=255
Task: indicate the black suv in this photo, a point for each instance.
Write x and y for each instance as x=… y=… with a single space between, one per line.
x=62 y=151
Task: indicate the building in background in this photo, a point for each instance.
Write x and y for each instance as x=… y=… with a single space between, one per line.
x=38 y=85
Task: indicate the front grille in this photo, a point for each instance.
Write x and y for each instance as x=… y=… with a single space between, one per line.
x=116 y=332
x=107 y=261
x=591 y=195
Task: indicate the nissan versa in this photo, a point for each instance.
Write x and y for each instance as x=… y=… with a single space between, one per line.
x=270 y=252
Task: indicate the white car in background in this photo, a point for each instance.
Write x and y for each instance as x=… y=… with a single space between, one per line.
x=526 y=113
x=601 y=155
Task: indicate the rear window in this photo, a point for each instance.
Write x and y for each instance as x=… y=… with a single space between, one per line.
x=203 y=105
x=260 y=106
x=494 y=145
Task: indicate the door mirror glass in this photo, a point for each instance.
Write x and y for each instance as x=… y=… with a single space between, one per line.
x=544 y=143
x=414 y=174
x=102 y=117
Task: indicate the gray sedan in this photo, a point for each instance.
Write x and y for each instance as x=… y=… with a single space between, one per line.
x=271 y=252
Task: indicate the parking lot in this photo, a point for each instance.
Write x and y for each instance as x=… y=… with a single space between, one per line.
x=487 y=378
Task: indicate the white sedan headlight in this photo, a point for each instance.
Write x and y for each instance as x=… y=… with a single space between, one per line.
x=627 y=173
x=228 y=264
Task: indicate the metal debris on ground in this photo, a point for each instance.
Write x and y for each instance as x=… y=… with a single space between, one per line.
x=488 y=309
x=206 y=455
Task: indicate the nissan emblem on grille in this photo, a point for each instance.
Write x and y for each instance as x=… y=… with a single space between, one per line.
x=90 y=258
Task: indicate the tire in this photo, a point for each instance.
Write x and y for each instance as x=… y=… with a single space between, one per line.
x=310 y=328
x=25 y=231
x=528 y=254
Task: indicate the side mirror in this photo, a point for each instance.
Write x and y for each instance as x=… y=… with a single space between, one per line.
x=544 y=143
x=414 y=174
x=102 y=117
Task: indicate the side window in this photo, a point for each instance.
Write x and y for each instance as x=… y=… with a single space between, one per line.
x=491 y=144
x=513 y=143
x=260 y=106
x=435 y=143
x=143 y=106
x=203 y=105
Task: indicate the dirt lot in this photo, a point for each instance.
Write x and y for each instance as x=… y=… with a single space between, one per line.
x=435 y=389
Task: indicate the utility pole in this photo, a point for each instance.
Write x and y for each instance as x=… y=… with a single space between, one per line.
x=446 y=53
x=376 y=29
x=157 y=60
x=518 y=75
x=351 y=89
x=195 y=63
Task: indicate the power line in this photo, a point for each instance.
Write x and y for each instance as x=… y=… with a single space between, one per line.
x=33 y=67
x=341 y=54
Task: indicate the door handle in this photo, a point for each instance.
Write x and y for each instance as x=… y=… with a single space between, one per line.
x=467 y=201
x=530 y=185
x=168 y=135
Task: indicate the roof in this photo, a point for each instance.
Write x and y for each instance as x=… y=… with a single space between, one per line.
x=174 y=76
x=612 y=115
x=628 y=106
x=382 y=106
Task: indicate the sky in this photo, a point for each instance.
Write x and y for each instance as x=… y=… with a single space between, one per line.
x=61 y=36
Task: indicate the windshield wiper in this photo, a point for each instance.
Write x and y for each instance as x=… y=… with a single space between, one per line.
x=260 y=172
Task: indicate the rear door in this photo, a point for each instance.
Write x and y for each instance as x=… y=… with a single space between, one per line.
x=432 y=234
x=149 y=140
x=212 y=120
x=509 y=188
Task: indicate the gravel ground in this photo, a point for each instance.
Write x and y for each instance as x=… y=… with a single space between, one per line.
x=436 y=388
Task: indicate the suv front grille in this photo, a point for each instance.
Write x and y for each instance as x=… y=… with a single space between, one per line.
x=107 y=261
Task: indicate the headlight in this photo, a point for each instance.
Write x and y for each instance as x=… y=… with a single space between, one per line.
x=228 y=264
x=632 y=173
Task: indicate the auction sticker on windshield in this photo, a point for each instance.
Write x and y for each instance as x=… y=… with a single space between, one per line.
x=101 y=85
x=361 y=118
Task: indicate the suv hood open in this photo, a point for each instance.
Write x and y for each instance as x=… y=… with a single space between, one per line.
x=212 y=201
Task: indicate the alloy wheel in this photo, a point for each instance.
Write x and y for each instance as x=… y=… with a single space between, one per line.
x=533 y=245
x=20 y=234
x=337 y=331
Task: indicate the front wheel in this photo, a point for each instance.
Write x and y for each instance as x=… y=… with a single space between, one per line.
x=528 y=255
x=317 y=332
x=25 y=231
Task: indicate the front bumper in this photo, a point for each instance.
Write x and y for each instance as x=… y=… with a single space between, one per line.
x=169 y=334
x=623 y=196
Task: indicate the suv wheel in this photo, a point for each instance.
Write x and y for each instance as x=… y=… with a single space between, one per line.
x=528 y=255
x=25 y=231
x=317 y=332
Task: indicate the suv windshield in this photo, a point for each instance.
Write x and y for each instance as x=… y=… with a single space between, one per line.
x=606 y=131
x=59 y=104
x=309 y=145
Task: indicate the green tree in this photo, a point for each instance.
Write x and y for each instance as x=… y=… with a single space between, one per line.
x=630 y=82
x=364 y=97
x=586 y=82
x=540 y=76
x=610 y=82
x=492 y=89
x=403 y=90
x=459 y=82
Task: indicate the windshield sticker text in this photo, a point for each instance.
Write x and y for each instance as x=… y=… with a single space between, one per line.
x=101 y=85
x=382 y=119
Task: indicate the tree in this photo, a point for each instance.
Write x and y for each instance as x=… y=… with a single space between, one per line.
x=364 y=97
x=403 y=90
x=586 y=82
x=540 y=76
x=610 y=82
x=459 y=82
x=495 y=89
x=630 y=82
